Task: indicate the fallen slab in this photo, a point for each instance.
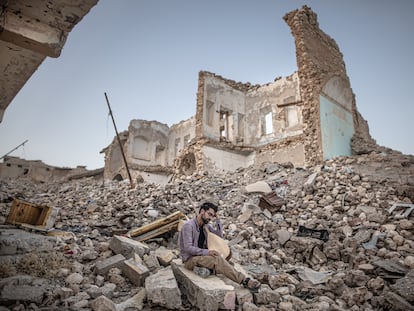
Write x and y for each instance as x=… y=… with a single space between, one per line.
x=206 y=294
x=162 y=289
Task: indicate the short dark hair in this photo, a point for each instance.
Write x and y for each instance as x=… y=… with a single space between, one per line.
x=207 y=205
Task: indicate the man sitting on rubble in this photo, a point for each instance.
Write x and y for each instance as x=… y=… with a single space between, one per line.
x=196 y=256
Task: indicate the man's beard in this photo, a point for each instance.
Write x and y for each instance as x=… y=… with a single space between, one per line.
x=205 y=221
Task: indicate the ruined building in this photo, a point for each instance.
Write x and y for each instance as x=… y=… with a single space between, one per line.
x=14 y=167
x=305 y=118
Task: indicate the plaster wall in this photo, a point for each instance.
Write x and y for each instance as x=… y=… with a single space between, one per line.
x=179 y=136
x=336 y=129
x=282 y=99
x=223 y=160
x=152 y=178
x=321 y=68
x=12 y=171
x=221 y=98
x=14 y=167
x=294 y=154
x=31 y=31
x=147 y=143
x=336 y=118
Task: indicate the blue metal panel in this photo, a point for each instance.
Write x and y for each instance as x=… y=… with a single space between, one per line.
x=337 y=129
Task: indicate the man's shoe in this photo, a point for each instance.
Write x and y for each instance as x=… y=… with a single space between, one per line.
x=251 y=284
x=202 y=271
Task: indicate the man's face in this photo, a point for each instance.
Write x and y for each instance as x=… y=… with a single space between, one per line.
x=207 y=216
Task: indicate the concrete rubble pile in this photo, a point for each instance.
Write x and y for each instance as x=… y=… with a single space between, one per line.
x=364 y=260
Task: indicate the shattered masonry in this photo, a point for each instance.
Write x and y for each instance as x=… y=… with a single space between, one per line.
x=305 y=118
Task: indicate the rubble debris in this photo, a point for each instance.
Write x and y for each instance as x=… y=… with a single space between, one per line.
x=158 y=227
x=401 y=213
x=320 y=234
x=390 y=269
x=206 y=294
x=77 y=257
x=259 y=186
x=313 y=276
x=162 y=289
x=373 y=242
x=271 y=201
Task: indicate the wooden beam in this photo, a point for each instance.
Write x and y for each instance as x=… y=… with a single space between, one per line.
x=157 y=224
x=158 y=231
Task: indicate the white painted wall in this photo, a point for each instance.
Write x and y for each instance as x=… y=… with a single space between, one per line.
x=225 y=160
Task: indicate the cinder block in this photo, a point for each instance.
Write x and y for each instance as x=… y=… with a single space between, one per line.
x=136 y=272
x=127 y=247
x=102 y=267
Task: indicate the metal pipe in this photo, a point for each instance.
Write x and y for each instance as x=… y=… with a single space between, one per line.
x=119 y=141
x=14 y=149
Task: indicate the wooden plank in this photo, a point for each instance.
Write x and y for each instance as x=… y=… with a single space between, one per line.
x=158 y=231
x=156 y=224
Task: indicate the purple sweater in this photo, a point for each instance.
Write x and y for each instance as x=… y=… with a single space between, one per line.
x=189 y=239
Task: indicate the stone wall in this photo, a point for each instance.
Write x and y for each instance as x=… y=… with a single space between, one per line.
x=14 y=168
x=179 y=136
x=281 y=99
x=319 y=60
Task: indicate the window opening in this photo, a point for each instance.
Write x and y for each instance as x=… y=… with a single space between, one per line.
x=186 y=139
x=268 y=123
x=224 y=124
x=176 y=146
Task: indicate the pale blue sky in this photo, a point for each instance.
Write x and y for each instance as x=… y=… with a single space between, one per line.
x=146 y=56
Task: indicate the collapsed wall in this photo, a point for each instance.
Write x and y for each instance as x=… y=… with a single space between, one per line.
x=305 y=118
x=150 y=148
x=325 y=90
x=237 y=122
x=15 y=167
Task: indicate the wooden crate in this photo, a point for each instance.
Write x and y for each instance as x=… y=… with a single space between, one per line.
x=32 y=215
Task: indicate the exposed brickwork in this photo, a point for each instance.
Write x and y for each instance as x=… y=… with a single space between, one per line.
x=319 y=59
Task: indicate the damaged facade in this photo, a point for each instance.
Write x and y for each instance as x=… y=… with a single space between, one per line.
x=305 y=118
x=14 y=167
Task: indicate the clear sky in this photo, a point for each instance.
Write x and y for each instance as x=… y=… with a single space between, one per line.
x=146 y=55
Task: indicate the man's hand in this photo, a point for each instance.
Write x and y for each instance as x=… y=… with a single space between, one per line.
x=212 y=252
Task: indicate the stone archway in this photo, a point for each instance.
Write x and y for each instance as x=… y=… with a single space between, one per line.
x=118 y=177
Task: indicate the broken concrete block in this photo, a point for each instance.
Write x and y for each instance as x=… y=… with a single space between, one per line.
x=103 y=303
x=266 y=295
x=164 y=255
x=134 y=303
x=283 y=236
x=311 y=179
x=404 y=286
x=243 y=295
x=64 y=292
x=127 y=247
x=136 y=272
x=260 y=186
x=162 y=289
x=207 y=294
x=102 y=267
x=313 y=276
x=22 y=293
x=151 y=261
